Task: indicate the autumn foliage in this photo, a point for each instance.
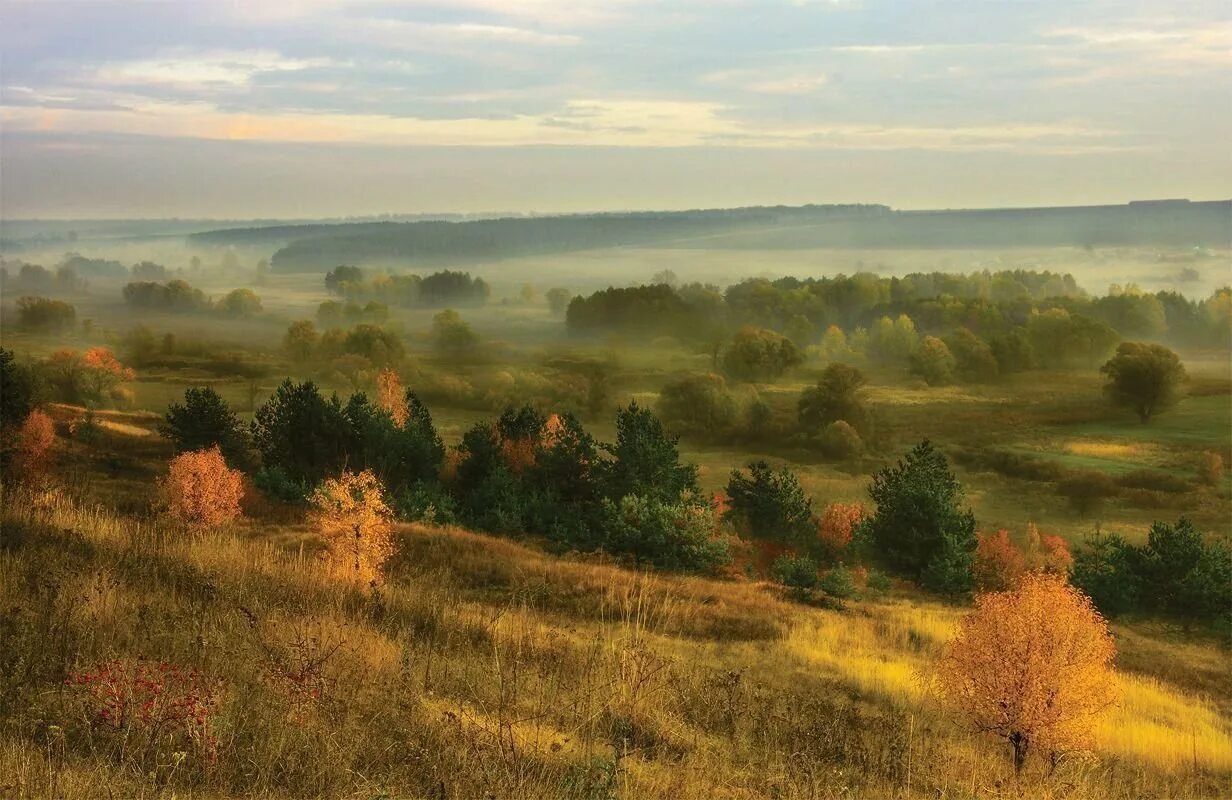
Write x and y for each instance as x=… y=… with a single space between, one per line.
x=837 y=524
x=999 y=564
x=33 y=445
x=147 y=705
x=1047 y=552
x=351 y=514
x=1033 y=666
x=391 y=397
x=201 y=490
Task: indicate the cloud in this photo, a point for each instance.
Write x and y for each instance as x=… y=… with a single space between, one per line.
x=186 y=69
x=771 y=82
x=412 y=35
x=1154 y=44
x=581 y=122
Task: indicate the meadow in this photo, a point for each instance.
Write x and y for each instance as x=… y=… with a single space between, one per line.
x=485 y=668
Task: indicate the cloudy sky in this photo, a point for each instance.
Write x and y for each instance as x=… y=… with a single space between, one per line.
x=292 y=108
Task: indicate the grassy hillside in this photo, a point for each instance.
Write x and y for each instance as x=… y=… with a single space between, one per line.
x=485 y=668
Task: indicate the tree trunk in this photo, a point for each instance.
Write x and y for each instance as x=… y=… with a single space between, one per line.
x=1020 y=744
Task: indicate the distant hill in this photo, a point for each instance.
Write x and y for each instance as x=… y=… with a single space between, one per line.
x=447 y=243
x=437 y=243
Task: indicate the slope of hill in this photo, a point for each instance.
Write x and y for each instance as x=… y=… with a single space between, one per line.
x=485 y=668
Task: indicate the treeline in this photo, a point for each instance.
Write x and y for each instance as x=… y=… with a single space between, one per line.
x=179 y=296
x=439 y=289
x=445 y=243
x=944 y=325
x=71 y=275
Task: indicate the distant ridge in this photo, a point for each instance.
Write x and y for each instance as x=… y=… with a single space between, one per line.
x=437 y=243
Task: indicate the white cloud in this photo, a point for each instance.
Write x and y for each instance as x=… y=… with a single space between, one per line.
x=187 y=69
x=1154 y=44
x=581 y=122
x=406 y=34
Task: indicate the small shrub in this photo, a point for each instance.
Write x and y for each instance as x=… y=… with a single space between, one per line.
x=841 y=441
x=277 y=484
x=878 y=581
x=798 y=573
x=999 y=564
x=1210 y=468
x=147 y=709
x=837 y=526
x=838 y=583
x=1087 y=491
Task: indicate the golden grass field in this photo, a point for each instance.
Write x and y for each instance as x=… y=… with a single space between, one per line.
x=485 y=668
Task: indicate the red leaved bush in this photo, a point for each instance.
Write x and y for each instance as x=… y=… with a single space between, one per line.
x=147 y=705
x=836 y=526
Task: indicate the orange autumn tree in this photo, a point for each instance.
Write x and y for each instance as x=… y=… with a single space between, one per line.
x=837 y=524
x=1033 y=666
x=33 y=445
x=351 y=514
x=1047 y=552
x=201 y=490
x=103 y=371
x=391 y=396
x=999 y=564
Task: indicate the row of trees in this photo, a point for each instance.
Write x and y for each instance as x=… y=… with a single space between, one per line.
x=443 y=288
x=178 y=295
x=967 y=332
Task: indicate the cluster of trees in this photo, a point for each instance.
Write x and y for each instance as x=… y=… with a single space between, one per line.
x=919 y=529
x=445 y=288
x=43 y=314
x=351 y=356
x=943 y=326
x=34 y=279
x=178 y=295
x=524 y=472
x=1178 y=573
x=92 y=378
x=656 y=310
x=831 y=415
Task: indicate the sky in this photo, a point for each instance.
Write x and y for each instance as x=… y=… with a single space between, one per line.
x=316 y=108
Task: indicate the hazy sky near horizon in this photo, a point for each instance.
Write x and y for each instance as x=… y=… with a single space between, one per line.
x=298 y=108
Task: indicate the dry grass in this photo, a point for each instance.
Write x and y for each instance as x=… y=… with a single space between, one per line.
x=485 y=668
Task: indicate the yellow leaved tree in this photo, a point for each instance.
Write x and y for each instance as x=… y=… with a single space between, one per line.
x=351 y=514
x=1033 y=666
x=391 y=396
